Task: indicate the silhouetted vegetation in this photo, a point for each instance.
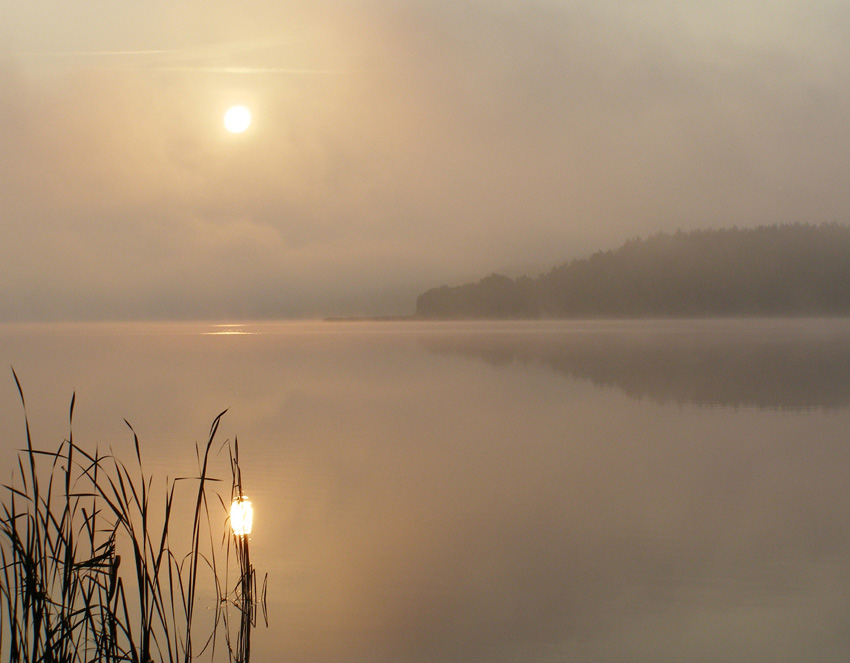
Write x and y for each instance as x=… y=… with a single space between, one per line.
x=797 y=269
x=64 y=594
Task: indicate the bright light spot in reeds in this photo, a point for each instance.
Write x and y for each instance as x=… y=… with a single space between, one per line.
x=241 y=516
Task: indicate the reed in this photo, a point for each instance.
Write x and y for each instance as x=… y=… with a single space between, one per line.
x=66 y=594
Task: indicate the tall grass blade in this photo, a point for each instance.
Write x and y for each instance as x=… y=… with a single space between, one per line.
x=65 y=596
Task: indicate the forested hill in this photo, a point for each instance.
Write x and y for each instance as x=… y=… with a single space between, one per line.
x=797 y=269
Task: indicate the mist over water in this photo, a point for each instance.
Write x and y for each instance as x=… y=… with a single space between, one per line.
x=496 y=492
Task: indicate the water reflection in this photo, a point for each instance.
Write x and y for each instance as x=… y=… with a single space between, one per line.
x=768 y=364
x=228 y=330
x=444 y=492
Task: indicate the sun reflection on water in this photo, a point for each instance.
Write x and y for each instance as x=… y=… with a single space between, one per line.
x=228 y=330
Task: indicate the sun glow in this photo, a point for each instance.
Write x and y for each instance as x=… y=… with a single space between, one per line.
x=237 y=119
x=241 y=516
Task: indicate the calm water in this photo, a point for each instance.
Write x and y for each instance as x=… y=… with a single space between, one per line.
x=494 y=492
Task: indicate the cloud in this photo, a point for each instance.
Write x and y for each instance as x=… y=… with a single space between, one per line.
x=400 y=146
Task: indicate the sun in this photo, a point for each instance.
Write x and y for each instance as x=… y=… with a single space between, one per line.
x=237 y=119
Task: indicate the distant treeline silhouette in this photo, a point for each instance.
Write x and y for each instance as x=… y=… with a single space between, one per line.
x=795 y=269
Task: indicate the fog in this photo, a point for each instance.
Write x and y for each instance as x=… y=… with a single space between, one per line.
x=484 y=492
x=395 y=146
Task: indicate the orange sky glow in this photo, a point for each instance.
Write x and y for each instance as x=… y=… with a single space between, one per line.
x=395 y=146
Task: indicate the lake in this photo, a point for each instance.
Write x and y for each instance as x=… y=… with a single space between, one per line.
x=583 y=491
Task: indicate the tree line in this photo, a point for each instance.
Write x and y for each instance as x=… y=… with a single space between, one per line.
x=793 y=269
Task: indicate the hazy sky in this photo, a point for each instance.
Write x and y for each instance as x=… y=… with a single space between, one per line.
x=396 y=144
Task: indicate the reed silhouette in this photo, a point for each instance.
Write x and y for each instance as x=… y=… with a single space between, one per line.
x=65 y=593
